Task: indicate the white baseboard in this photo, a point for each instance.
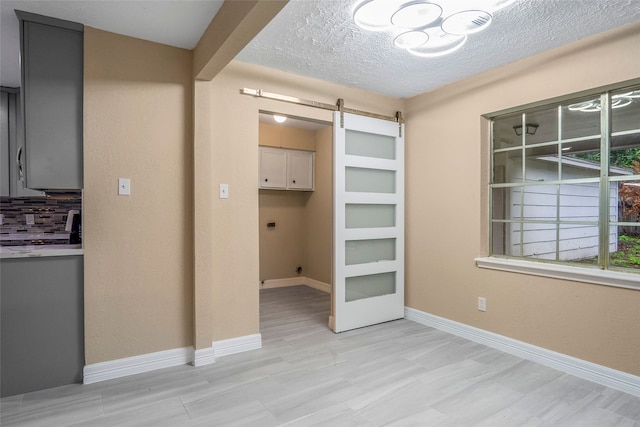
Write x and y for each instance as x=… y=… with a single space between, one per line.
x=296 y=281
x=166 y=359
x=236 y=345
x=203 y=357
x=136 y=365
x=316 y=284
x=281 y=283
x=580 y=368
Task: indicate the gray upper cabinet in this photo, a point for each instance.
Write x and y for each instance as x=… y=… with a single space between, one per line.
x=4 y=144
x=52 y=90
x=12 y=175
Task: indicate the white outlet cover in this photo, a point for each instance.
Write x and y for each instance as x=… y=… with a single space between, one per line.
x=224 y=191
x=124 y=186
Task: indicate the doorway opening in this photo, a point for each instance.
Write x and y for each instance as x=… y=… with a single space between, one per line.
x=295 y=214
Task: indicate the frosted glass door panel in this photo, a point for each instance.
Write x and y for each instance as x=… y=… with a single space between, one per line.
x=374 y=285
x=370 y=145
x=369 y=216
x=361 y=180
x=368 y=209
x=365 y=251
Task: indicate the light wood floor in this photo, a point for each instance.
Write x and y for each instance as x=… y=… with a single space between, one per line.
x=398 y=373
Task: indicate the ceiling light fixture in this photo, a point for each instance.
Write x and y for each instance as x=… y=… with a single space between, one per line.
x=279 y=119
x=416 y=14
x=427 y=28
x=411 y=39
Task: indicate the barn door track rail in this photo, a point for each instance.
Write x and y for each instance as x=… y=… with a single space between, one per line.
x=338 y=106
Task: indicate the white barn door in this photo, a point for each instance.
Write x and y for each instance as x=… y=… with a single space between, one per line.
x=368 y=222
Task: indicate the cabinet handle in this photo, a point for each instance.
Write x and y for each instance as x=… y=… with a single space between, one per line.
x=19 y=163
x=266 y=180
x=294 y=181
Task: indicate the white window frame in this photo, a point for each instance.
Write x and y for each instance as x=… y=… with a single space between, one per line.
x=557 y=269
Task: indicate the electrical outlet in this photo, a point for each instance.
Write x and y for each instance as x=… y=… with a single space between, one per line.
x=30 y=219
x=482 y=304
x=224 y=191
x=124 y=186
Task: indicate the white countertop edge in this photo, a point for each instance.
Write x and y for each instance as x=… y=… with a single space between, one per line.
x=38 y=253
x=34 y=236
x=557 y=271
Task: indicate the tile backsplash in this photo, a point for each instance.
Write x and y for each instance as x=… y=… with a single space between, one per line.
x=49 y=220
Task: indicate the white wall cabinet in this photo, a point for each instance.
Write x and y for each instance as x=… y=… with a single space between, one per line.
x=283 y=169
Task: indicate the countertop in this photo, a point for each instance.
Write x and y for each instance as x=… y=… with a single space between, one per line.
x=39 y=251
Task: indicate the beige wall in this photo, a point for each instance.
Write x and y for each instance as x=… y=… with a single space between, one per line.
x=233 y=233
x=446 y=210
x=282 y=249
x=319 y=212
x=283 y=136
x=138 y=248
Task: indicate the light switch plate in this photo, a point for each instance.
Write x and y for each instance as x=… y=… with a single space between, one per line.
x=124 y=186
x=224 y=191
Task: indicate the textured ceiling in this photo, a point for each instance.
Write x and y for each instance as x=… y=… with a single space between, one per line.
x=318 y=38
x=176 y=23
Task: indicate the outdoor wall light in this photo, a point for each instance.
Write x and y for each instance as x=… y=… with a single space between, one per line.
x=427 y=28
x=530 y=129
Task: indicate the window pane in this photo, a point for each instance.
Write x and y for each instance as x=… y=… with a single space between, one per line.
x=581 y=159
x=500 y=234
x=540 y=202
x=504 y=135
x=627 y=198
x=625 y=139
x=625 y=251
x=365 y=251
x=370 y=145
x=541 y=125
x=363 y=180
x=579 y=242
x=369 y=216
x=581 y=119
x=373 y=285
x=541 y=163
x=502 y=204
x=625 y=111
x=580 y=202
x=537 y=240
x=507 y=167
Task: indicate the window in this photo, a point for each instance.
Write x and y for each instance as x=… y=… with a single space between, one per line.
x=565 y=182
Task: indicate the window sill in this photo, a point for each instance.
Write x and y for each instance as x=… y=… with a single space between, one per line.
x=556 y=271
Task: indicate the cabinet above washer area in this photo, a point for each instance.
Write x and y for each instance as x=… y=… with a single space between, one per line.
x=286 y=169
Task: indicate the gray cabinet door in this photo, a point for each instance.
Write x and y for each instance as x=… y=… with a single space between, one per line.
x=52 y=90
x=41 y=323
x=4 y=144
x=11 y=168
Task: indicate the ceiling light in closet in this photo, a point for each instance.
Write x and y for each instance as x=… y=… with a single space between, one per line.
x=279 y=119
